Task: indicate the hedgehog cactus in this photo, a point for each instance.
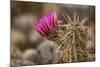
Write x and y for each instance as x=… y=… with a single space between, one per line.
x=72 y=47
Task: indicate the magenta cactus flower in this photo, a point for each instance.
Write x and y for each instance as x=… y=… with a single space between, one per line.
x=47 y=24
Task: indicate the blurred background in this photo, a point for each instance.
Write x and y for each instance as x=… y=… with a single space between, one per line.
x=27 y=45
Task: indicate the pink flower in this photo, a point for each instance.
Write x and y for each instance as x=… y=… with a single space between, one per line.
x=47 y=24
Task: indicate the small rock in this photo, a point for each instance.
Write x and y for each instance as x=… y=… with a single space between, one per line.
x=24 y=22
x=47 y=51
x=31 y=55
x=17 y=36
x=35 y=37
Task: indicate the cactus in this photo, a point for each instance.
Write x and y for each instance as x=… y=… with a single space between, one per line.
x=72 y=46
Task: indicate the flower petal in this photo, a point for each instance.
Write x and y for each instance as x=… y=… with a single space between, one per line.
x=54 y=19
x=40 y=31
x=46 y=22
x=42 y=27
